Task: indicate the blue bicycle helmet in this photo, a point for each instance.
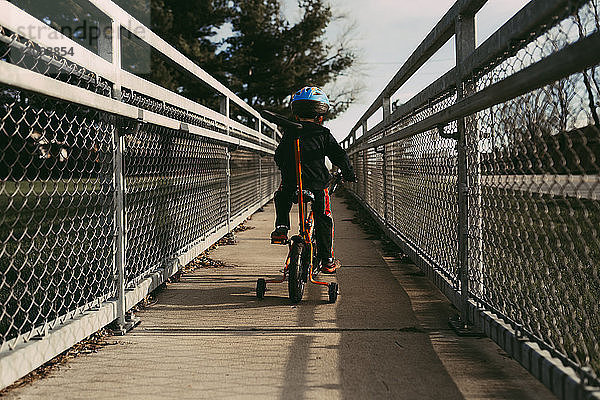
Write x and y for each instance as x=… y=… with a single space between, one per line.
x=310 y=102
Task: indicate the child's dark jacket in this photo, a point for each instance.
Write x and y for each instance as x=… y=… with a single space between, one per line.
x=316 y=142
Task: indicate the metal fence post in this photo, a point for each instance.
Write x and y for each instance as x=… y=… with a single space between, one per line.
x=125 y=322
x=465 y=45
x=228 y=187
x=259 y=130
x=260 y=178
x=387 y=111
x=365 y=192
x=119 y=145
x=110 y=49
x=225 y=111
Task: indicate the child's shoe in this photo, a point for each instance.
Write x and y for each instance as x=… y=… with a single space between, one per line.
x=279 y=235
x=329 y=266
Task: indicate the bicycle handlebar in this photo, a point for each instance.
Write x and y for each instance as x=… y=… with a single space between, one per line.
x=334 y=182
x=280 y=120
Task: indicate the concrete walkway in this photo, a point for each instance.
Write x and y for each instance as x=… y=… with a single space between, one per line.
x=209 y=337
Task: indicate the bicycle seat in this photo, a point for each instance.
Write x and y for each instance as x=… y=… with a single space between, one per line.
x=307 y=196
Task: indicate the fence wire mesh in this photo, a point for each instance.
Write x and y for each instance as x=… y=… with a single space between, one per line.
x=270 y=176
x=373 y=168
x=176 y=186
x=422 y=197
x=160 y=107
x=29 y=55
x=245 y=180
x=533 y=179
x=535 y=209
x=419 y=199
x=57 y=223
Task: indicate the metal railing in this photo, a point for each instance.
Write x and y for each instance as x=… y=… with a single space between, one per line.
x=109 y=182
x=489 y=179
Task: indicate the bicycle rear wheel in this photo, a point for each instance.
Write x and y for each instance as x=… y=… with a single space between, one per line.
x=295 y=277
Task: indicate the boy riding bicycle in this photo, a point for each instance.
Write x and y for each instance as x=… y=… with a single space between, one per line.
x=309 y=105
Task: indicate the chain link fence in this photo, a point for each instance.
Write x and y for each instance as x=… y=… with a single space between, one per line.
x=176 y=194
x=532 y=180
x=534 y=191
x=56 y=167
x=84 y=164
x=57 y=225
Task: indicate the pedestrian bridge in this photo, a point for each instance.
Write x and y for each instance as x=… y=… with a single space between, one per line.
x=481 y=191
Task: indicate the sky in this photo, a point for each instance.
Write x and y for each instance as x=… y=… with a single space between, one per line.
x=386 y=33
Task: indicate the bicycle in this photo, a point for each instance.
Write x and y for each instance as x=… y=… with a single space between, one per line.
x=300 y=265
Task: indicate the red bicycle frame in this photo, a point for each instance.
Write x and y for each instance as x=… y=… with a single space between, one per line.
x=305 y=233
x=304 y=222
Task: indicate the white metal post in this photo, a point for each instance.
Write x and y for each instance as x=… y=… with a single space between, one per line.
x=119 y=144
x=228 y=187
x=260 y=180
x=258 y=127
x=386 y=105
x=465 y=45
x=119 y=179
x=225 y=111
x=387 y=109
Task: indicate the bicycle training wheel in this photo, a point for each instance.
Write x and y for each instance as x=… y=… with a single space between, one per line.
x=295 y=279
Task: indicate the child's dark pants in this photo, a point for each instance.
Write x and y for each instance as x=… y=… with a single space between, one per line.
x=321 y=207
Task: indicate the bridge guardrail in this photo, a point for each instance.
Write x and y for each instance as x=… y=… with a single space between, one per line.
x=489 y=179
x=109 y=183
